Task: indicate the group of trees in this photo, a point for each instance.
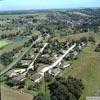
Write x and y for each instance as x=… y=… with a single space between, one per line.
x=11 y=82
x=63 y=89
x=66 y=89
x=3 y=36
x=84 y=40
x=7 y=57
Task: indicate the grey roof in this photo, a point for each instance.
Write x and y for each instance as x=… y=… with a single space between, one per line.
x=35 y=76
x=25 y=62
x=9 y=72
x=19 y=77
x=55 y=71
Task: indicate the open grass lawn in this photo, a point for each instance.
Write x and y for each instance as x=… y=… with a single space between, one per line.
x=3 y=43
x=10 y=94
x=87 y=68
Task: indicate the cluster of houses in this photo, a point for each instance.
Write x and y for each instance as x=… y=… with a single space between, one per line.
x=53 y=69
x=57 y=67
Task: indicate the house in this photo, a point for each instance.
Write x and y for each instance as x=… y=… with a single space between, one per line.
x=46 y=55
x=62 y=51
x=9 y=73
x=27 y=57
x=65 y=66
x=15 y=72
x=83 y=44
x=20 y=77
x=79 y=47
x=75 y=53
x=36 y=77
x=67 y=56
x=25 y=62
x=55 y=71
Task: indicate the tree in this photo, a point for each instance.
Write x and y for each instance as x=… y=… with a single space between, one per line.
x=11 y=82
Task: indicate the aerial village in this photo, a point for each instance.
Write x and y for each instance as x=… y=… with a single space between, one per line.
x=61 y=59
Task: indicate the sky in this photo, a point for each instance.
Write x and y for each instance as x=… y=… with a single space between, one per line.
x=46 y=4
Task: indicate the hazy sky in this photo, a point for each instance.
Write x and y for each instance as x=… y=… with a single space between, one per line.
x=46 y=4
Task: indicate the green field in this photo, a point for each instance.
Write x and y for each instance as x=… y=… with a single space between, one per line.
x=3 y=43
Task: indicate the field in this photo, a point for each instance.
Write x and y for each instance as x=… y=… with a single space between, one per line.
x=9 y=94
x=3 y=43
x=87 y=68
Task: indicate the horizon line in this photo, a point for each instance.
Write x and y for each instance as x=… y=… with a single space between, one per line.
x=48 y=9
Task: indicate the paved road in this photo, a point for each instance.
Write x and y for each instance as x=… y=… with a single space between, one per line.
x=31 y=66
x=17 y=59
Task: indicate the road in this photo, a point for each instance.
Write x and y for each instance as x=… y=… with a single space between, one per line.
x=58 y=61
x=17 y=59
x=31 y=66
